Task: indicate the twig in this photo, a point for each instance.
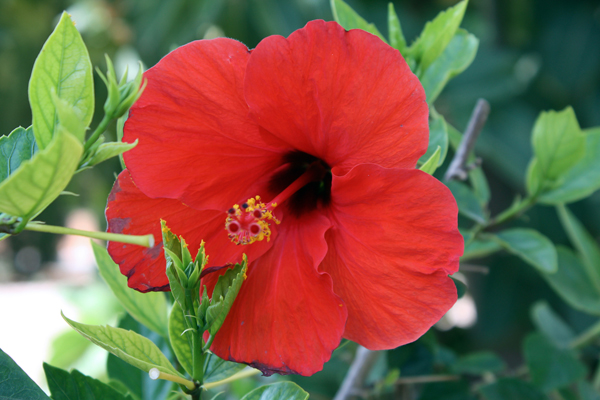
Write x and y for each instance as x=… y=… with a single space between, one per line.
x=411 y=380
x=362 y=364
x=458 y=168
x=480 y=269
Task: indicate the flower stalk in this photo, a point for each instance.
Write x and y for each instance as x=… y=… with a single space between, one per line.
x=156 y=374
x=143 y=240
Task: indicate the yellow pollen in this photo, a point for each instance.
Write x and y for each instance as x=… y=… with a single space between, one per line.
x=250 y=223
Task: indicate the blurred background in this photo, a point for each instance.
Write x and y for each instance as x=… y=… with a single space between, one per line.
x=534 y=55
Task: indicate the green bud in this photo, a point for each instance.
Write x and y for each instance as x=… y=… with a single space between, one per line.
x=121 y=94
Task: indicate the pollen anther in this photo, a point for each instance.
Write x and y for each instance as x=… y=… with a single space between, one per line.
x=250 y=222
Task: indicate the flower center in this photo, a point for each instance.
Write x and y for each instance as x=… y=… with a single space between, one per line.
x=249 y=222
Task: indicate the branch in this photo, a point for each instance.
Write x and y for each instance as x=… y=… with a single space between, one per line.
x=362 y=364
x=458 y=167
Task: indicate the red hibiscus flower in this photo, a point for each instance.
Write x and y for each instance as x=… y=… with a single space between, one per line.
x=328 y=124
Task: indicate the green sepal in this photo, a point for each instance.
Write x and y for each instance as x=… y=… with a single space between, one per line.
x=121 y=94
x=226 y=290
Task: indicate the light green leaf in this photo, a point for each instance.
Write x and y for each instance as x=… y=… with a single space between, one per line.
x=149 y=309
x=438 y=137
x=226 y=290
x=68 y=118
x=218 y=369
x=511 y=389
x=129 y=346
x=550 y=368
x=436 y=35
x=395 y=34
x=77 y=386
x=40 y=180
x=551 y=325
x=349 y=19
x=558 y=144
x=573 y=283
x=583 y=242
x=457 y=56
x=63 y=67
x=14 y=382
x=531 y=246
x=109 y=150
x=468 y=204
x=478 y=248
x=581 y=180
x=181 y=342
x=16 y=148
x=277 y=391
x=479 y=363
x=432 y=163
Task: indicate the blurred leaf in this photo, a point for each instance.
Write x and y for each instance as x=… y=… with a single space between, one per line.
x=550 y=368
x=531 y=246
x=67 y=348
x=138 y=382
x=438 y=137
x=109 y=150
x=583 y=242
x=573 y=283
x=218 y=369
x=468 y=204
x=558 y=145
x=461 y=288
x=581 y=180
x=180 y=342
x=41 y=179
x=16 y=148
x=551 y=325
x=478 y=364
x=447 y=391
x=511 y=389
x=129 y=346
x=478 y=248
x=277 y=391
x=76 y=386
x=148 y=308
x=63 y=67
x=395 y=34
x=349 y=19
x=457 y=57
x=431 y=164
x=14 y=382
x=587 y=391
x=436 y=35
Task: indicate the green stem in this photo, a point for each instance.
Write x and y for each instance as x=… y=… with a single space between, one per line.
x=587 y=336
x=145 y=240
x=99 y=130
x=240 y=375
x=511 y=213
x=208 y=343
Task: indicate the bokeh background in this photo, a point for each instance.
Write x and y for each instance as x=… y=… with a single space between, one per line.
x=534 y=55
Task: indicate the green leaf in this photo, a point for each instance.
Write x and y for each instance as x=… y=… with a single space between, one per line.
x=395 y=34
x=68 y=118
x=558 y=144
x=432 y=163
x=436 y=35
x=459 y=54
x=77 y=386
x=479 y=364
x=550 y=368
x=573 y=283
x=277 y=391
x=14 y=382
x=583 y=178
x=461 y=288
x=149 y=309
x=16 y=148
x=67 y=348
x=129 y=346
x=63 y=67
x=583 y=242
x=181 y=342
x=531 y=246
x=438 y=137
x=226 y=290
x=349 y=19
x=587 y=391
x=478 y=248
x=218 y=369
x=511 y=389
x=468 y=204
x=551 y=325
x=41 y=179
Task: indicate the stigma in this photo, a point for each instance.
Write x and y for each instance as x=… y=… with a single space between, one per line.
x=250 y=222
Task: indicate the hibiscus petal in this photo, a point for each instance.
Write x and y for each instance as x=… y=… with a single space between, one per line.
x=393 y=243
x=343 y=96
x=130 y=211
x=286 y=318
x=196 y=142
